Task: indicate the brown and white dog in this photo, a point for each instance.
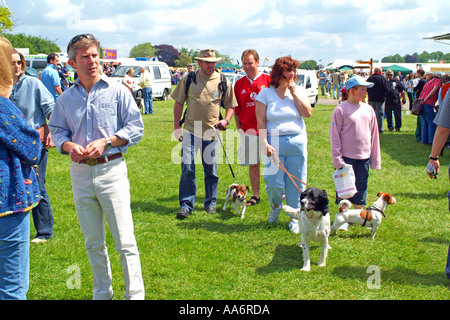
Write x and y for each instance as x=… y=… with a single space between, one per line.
x=370 y=217
x=238 y=194
x=314 y=223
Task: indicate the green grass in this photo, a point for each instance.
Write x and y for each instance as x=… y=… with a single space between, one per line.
x=223 y=257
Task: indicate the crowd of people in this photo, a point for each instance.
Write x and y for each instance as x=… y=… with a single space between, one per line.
x=96 y=120
x=391 y=92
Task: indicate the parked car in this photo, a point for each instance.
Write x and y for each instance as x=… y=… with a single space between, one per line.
x=233 y=77
x=307 y=79
x=32 y=72
x=159 y=71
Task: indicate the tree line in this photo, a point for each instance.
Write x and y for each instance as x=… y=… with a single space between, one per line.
x=424 y=57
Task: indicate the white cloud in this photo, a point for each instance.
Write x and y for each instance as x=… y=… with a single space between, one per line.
x=306 y=29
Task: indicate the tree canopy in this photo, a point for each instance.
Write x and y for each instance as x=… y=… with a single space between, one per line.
x=35 y=44
x=5 y=19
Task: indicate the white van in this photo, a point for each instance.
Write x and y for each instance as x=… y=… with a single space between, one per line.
x=36 y=61
x=307 y=79
x=159 y=71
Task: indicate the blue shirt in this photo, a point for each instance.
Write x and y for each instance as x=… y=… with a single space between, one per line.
x=109 y=109
x=34 y=100
x=50 y=78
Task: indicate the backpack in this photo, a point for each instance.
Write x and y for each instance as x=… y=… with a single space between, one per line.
x=191 y=77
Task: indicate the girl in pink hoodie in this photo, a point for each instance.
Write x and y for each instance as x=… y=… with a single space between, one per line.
x=354 y=136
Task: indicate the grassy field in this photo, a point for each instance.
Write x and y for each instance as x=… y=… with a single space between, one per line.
x=209 y=257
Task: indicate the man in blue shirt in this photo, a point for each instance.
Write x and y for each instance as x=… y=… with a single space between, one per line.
x=94 y=122
x=36 y=103
x=50 y=76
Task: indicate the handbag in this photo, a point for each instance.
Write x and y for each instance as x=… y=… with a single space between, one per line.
x=417 y=107
x=344 y=180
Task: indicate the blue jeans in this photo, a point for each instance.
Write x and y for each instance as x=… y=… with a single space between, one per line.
x=148 y=100
x=336 y=91
x=293 y=154
x=428 y=126
x=361 y=170
x=43 y=214
x=322 y=86
x=378 y=107
x=14 y=256
x=188 y=183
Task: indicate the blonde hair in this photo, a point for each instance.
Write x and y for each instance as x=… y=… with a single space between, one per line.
x=5 y=67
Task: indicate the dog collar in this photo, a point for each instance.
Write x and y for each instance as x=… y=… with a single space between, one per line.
x=376 y=209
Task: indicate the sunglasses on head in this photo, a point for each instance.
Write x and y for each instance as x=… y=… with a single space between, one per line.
x=78 y=38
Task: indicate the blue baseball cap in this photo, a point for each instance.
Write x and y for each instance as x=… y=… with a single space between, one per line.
x=357 y=81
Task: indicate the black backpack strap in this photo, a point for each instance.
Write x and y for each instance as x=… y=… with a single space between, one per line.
x=222 y=88
x=191 y=77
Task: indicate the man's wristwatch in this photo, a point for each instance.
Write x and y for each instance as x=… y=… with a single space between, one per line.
x=108 y=143
x=228 y=121
x=433 y=158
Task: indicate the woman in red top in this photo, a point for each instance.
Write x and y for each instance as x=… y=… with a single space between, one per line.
x=429 y=95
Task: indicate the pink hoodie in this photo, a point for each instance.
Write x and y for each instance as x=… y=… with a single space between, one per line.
x=354 y=134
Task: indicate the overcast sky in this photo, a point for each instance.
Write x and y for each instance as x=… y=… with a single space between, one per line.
x=305 y=29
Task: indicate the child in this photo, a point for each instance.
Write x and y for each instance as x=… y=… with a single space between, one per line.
x=354 y=136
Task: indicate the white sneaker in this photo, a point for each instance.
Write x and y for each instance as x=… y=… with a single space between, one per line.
x=274 y=213
x=294 y=227
x=39 y=240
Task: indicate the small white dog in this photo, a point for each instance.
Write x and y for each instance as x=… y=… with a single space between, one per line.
x=370 y=217
x=314 y=223
x=238 y=195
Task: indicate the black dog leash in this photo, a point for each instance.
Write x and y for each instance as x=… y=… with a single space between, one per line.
x=220 y=127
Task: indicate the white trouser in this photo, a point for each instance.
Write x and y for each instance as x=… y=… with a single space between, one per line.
x=103 y=191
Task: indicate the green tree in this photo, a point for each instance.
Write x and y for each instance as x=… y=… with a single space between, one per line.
x=423 y=57
x=308 y=65
x=34 y=44
x=183 y=60
x=5 y=19
x=142 y=50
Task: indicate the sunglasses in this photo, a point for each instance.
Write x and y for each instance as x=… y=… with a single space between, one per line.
x=389 y=75
x=78 y=38
x=19 y=63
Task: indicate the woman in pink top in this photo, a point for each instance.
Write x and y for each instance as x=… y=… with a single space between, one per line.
x=354 y=136
x=429 y=95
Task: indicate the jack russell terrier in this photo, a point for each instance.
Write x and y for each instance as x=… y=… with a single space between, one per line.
x=314 y=223
x=238 y=195
x=370 y=217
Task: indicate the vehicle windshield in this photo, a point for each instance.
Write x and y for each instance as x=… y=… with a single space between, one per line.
x=121 y=70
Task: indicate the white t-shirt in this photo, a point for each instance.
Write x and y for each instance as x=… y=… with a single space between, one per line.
x=282 y=116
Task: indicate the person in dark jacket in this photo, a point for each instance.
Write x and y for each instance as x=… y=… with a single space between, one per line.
x=393 y=103
x=377 y=95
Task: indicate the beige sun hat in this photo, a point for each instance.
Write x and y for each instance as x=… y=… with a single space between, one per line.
x=208 y=55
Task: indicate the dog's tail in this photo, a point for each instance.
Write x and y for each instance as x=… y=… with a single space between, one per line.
x=291 y=212
x=344 y=205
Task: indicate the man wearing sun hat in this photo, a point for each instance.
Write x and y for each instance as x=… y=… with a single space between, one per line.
x=203 y=98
